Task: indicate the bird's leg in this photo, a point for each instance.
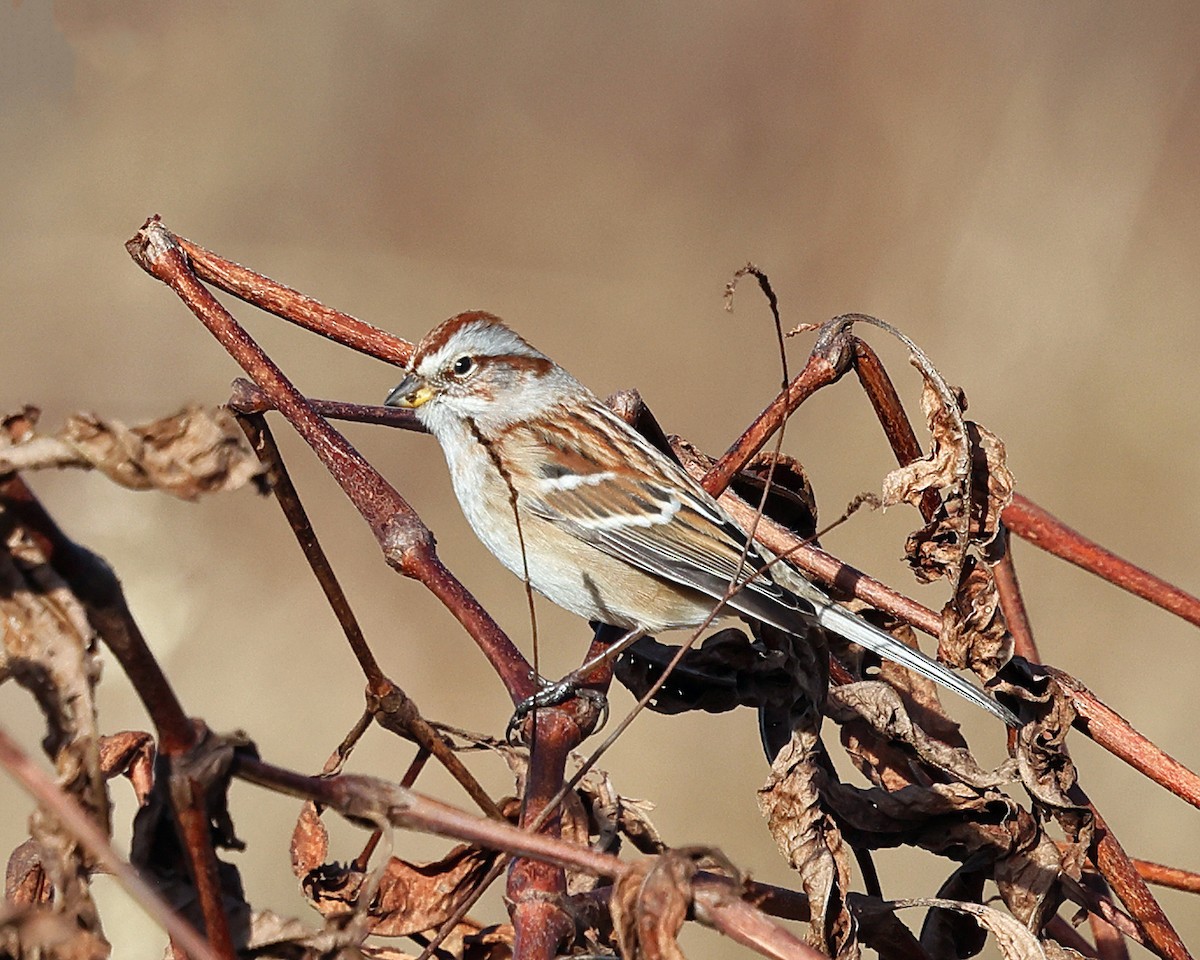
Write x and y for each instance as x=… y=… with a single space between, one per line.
x=553 y=692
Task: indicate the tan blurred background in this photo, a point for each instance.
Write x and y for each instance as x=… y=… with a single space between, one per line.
x=1014 y=185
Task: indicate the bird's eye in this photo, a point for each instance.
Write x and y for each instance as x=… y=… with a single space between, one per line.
x=462 y=366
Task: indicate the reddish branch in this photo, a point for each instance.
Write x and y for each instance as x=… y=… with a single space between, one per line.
x=407 y=543
x=1029 y=521
x=293 y=306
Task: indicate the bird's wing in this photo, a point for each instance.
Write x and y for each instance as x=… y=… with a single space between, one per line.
x=641 y=508
x=644 y=509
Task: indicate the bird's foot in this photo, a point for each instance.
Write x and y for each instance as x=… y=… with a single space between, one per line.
x=553 y=693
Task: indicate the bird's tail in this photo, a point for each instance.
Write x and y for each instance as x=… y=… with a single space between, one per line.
x=837 y=619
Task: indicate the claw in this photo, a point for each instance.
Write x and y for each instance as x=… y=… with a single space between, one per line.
x=551 y=693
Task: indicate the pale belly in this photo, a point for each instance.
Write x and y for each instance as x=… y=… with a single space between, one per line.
x=573 y=574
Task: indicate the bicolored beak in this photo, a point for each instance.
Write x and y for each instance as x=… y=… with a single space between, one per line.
x=411 y=392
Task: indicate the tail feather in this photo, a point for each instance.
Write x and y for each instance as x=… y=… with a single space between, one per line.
x=841 y=621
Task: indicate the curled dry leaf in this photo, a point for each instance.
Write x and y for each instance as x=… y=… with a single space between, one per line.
x=951 y=933
x=811 y=841
x=406 y=898
x=1046 y=769
x=974 y=632
x=649 y=904
x=612 y=816
x=799 y=704
x=887 y=745
x=129 y=753
x=193 y=452
x=919 y=694
x=946 y=818
x=966 y=466
x=1029 y=878
x=725 y=671
x=49 y=649
x=1012 y=939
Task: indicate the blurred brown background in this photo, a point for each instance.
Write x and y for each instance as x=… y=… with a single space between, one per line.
x=1016 y=186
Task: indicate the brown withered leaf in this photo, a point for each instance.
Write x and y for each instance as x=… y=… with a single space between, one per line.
x=286 y=938
x=974 y=632
x=310 y=841
x=791 y=500
x=1046 y=768
x=196 y=451
x=938 y=548
x=129 y=753
x=1028 y=878
x=873 y=718
x=811 y=842
x=950 y=933
x=490 y=943
x=649 y=904
x=613 y=816
x=725 y=671
x=797 y=706
x=25 y=880
x=919 y=694
x=1012 y=939
x=408 y=898
x=49 y=649
x=967 y=466
x=36 y=933
x=947 y=818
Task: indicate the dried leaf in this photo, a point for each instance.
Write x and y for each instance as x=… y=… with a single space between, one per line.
x=25 y=881
x=797 y=706
x=49 y=649
x=873 y=717
x=193 y=452
x=965 y=465
x=407 y=898
x=129 y=753
x=490 y=943
x=811 y=842
x=28 y=932
x=613 y=816
x=204 y=771
x=974 y=633
x=947 y=818
x=725 y=671
x=950 y=933
x=1012 y=939
x=1028 y=878
x=791 y=502
x=649 y=904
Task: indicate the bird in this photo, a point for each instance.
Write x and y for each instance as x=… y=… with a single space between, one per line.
x=564 y=493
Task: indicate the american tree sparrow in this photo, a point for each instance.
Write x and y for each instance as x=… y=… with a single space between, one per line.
x=610 y=528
